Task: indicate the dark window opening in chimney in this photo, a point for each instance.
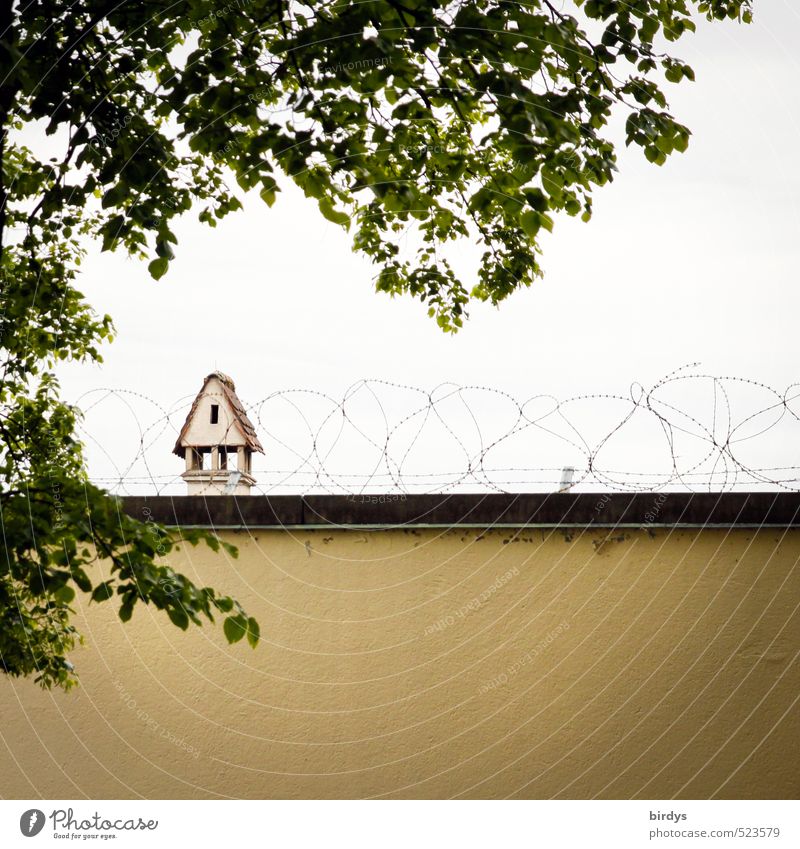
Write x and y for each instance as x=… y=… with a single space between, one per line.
x=214 y=413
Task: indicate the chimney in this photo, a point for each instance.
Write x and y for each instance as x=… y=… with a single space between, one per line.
x=567 y=473
x=217 y=441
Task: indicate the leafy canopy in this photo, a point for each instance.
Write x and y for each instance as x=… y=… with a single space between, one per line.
x=439 y=120
x=443 y=119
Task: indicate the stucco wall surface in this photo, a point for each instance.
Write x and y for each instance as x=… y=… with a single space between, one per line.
x=440 y=663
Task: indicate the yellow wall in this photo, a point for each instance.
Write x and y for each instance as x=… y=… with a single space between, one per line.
x=432 y=663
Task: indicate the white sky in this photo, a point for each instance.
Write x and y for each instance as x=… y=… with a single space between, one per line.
x=693 y=262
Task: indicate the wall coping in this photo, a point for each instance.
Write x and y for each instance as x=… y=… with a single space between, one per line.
x=479 y=510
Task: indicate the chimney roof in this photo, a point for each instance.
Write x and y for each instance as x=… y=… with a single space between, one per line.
x=239 y=414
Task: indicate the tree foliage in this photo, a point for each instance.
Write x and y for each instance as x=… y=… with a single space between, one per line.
x=438 y=120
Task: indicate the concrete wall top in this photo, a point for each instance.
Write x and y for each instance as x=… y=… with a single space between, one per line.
x=652 y=509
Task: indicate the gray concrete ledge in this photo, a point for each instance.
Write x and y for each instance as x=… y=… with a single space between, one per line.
x=665 y=509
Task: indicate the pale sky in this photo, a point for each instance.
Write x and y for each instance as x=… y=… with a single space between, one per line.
x=696 y=261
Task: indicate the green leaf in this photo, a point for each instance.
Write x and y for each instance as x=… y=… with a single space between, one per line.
x=235 y=627
x=536 y=199
x=253 y=632
x=164 y=250
x=681 y=142
x=529 y=221
x=327 y=209
x=225 y=604
x=158 y=267
x=103 y=592
x=114 y=196
x=64 y=595
x=82 y=580
x=268 y=194
x=178 y=617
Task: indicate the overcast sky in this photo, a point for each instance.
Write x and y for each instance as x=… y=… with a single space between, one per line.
x=696 y=261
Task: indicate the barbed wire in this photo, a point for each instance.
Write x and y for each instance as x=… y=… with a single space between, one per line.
x=689 y=431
